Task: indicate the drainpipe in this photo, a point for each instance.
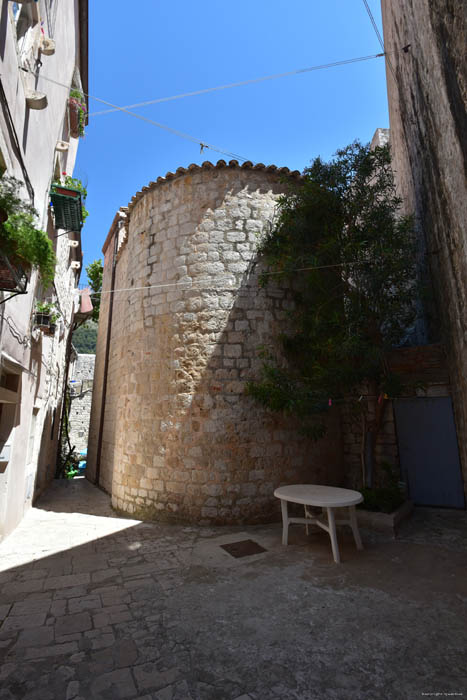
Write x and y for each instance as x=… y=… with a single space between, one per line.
x=106 y=357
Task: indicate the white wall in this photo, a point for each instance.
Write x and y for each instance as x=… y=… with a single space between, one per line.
x=40 y=358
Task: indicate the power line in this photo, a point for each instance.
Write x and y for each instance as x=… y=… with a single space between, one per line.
x=225 y=277
x=203 y=144
x=380 y=39
x=199 y=142
x=240 y=83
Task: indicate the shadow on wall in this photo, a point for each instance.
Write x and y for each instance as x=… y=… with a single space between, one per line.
x=182 y=441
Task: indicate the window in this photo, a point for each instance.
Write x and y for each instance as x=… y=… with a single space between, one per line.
x=10 y=395
x=32 y=435
x=26 y=20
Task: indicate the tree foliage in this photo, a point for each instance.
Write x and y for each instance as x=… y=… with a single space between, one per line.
x=95 y=272
x=85 y=338
x=342 y=246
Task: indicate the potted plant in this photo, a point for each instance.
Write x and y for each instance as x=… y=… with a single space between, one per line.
x=77 y=111
x=45 y=316
x=22 y=244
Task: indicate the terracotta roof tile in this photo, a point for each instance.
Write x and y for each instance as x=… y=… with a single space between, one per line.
x=207 y=165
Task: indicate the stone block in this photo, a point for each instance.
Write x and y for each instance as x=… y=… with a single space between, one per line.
x=68 y=624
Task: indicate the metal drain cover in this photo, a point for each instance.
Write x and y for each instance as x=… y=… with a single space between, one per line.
x=245 y=548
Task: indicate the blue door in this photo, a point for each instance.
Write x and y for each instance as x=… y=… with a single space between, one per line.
x=428 y=451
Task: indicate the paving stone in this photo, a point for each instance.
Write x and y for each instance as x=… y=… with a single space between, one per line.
x=17 y=622
x=35 y=636
x=116 y=685
x=73 y=592
x=58 y=607
x=68 y=624
x=4 y=610
x=94 y=563
x=68 y=581
x=68 y=637
x=90 y=602
x=217 y=629
x=149 y=677
x=98 y=576
x=29 y=607
x=17 y=588
x=72 y=690
x=55 y=650
x=115 y=598
x=6 y=670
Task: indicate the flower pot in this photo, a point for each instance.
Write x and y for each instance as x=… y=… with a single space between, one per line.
x=50 y=330
x=42 y=320
x=74 y=109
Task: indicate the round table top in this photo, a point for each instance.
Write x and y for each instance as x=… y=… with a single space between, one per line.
x=321 y=496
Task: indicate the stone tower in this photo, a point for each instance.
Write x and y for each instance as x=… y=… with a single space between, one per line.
x=176 y=436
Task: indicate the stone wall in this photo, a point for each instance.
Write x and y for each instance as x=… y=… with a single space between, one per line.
x=181 y=440
x=81 y=384
x=428 y=117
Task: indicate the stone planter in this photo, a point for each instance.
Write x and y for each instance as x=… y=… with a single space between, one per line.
x=385 y=522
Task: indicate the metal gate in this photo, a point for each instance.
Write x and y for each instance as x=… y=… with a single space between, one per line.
x=428 y=451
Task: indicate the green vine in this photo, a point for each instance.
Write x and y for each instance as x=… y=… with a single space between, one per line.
x=19 y=237
x=80 y=104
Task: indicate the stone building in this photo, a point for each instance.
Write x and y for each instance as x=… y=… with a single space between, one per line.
x=427 y=91
x=43 y=55
x=80 y=382
x=173 y=434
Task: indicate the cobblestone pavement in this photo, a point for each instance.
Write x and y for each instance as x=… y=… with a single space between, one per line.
x=99 y=607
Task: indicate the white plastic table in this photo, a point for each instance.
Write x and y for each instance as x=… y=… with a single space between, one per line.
x=325 y=497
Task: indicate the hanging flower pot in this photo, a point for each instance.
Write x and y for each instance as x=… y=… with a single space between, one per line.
x=45 y=317
x=77 y=111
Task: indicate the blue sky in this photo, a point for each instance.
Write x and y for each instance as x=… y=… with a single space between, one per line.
x=160 y=49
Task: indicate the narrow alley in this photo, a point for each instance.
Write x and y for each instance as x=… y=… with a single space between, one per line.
x=95 y=606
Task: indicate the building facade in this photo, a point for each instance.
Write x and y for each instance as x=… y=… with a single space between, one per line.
x=43 y=56
x=427 y=92
x=80 y=383
x=173 y=434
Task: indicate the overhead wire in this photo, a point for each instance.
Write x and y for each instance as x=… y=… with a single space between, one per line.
x=379 y=37
x=240 y=83
x=204 y=144
x=191 y=283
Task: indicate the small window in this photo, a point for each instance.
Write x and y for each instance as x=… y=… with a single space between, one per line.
x=10 y=398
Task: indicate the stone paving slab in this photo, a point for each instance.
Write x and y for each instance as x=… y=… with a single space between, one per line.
x=97 y=607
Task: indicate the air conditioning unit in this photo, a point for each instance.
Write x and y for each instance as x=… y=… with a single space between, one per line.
x=47 y=46
x=75 y=265
x=73 y=244
x=62 y=146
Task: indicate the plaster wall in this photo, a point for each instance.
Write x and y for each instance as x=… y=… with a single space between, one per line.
x=40 y=360
x=181 y=440
x=428 y=118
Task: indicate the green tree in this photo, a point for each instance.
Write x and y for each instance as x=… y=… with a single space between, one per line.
x=95 y=271
x=342 y=247
x=85 y=338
